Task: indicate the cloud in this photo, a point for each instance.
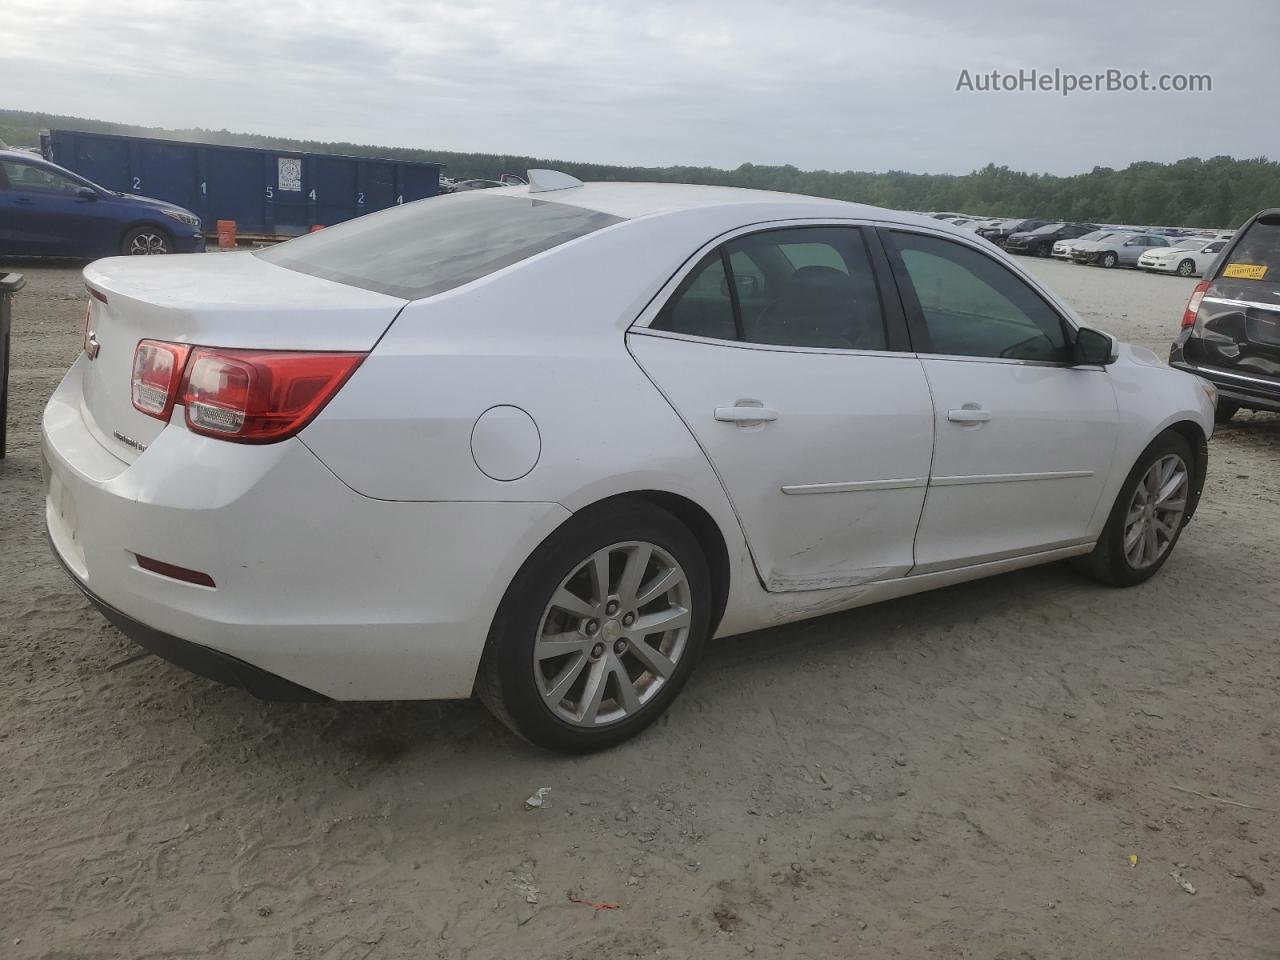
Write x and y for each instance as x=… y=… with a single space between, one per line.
x=839 y=85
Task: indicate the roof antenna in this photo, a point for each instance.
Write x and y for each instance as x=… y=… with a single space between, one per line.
x=542 y=181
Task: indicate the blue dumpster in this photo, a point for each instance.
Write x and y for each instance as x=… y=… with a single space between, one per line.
x=269 y=193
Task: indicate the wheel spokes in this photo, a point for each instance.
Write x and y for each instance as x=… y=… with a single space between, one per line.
x=655 y=662
x=572 y=603
x=565 y=679
x=660 y=622
x=629 y=583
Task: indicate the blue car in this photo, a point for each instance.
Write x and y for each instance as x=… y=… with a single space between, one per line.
x=48 y=211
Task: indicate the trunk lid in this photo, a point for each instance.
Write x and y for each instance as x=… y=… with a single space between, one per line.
x=223 y=300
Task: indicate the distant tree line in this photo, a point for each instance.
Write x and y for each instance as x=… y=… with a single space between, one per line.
x=1218 y=192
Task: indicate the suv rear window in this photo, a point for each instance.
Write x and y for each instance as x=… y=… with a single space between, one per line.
x=430 y=246
x=1260 y=245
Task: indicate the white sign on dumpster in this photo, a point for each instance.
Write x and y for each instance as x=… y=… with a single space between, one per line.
x=290 y=173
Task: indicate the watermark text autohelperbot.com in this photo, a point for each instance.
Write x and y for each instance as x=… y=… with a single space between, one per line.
x=1065 y=83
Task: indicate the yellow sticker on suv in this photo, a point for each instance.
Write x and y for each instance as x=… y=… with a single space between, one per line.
x=1245 y=271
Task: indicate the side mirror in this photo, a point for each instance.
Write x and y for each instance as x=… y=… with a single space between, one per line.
x=1094 y=348
x=86 y=193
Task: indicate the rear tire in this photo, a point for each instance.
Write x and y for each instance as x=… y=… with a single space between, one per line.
x=611 y=681
x=1153 y=505
x=1186 y=268
x=1225 y=411
x=1108 y=260
x=146 y=241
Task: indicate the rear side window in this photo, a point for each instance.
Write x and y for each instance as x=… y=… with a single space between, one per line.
x=430 y=246
x=1257 y=254
x=803 y=287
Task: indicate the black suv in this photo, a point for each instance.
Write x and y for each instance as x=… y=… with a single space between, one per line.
x=1039 y=242
x=1006 y=228
x=1231 y=328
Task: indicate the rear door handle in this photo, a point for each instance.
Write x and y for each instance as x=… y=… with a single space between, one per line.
x=745 y=413
x=969 y=415
x=25 y=201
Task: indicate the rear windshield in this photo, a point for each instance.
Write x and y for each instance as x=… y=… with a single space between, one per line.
x=424 y=248
x=1260 y=245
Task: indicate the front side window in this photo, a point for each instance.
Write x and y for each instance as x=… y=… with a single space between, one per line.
x=975 y=307
x=802 y=287
x=430 y=246
x=29 y=176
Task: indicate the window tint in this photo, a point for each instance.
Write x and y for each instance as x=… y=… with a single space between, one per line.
x=424 y=248
x=28 y=176
x=805 y=287
x=974 y=307
x=702 y=306
x=1261 y=245
x=816 y=289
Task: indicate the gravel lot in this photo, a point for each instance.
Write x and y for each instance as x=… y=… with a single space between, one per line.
x=962 y=774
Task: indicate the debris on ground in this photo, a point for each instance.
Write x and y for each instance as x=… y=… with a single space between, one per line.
x=1182 y=881
x=595 y=904
x=1133 y=859
x=539 y=798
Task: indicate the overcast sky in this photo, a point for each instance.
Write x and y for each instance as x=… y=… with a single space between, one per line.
x=865 y=85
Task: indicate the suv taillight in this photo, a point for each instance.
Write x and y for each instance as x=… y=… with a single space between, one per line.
x=250 y=396
x=1193 y=304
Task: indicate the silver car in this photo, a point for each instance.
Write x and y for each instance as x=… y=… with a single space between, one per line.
x=1117 y=249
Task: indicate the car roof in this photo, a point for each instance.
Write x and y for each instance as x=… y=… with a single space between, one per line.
x=632 y=200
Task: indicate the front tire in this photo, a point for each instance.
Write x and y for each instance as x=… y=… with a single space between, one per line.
x=1109 y=260
x=599 y=630
x=146 y=241
x=1148 y=515
x=1186 y=268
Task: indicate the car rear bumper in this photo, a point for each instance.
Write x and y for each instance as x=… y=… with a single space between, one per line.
x=1249 y=391
x=315 y=586
x=203 y=661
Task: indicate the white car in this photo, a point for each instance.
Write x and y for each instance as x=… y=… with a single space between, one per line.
x=540 y=443
x=1062 y=248
x=1186 y=258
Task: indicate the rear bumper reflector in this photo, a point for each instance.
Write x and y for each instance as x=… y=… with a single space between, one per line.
x=174 y=572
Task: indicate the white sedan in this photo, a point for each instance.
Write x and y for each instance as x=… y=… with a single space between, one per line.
x=540 y=443
x=1186 y=258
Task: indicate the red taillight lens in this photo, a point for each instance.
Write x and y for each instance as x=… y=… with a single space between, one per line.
x=157 y=370
x=257 y=396
x=1193 y=304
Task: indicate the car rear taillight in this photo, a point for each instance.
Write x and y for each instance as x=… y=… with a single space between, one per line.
x=257 y=396
x=1193 y=304
x=157 y=371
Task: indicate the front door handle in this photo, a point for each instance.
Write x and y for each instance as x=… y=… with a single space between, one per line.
x=746 y=413
x=25 y=201
x=969 y=415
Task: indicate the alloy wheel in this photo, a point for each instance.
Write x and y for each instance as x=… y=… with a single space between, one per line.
x=612 y=634
x=148 y=244
x=1155 y=511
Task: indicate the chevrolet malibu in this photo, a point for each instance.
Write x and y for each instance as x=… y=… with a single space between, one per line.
x=539 y=443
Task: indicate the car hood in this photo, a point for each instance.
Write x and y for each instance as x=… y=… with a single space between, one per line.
x=155 y=204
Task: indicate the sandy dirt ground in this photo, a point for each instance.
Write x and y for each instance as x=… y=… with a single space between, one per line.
x=964 y=774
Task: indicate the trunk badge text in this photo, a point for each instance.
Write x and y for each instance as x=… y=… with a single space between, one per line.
x=92 y=346
x=129 y=441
